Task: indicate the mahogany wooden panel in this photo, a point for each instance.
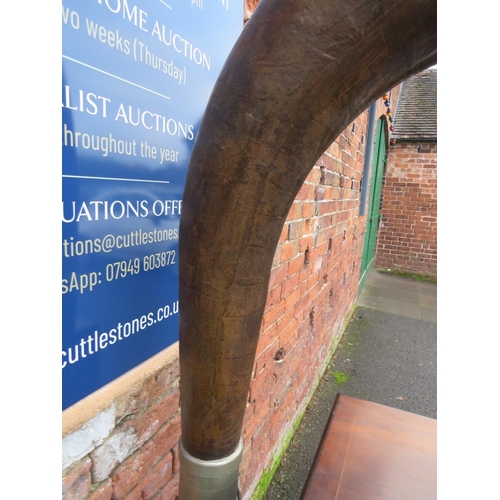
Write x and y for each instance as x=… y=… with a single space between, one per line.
x=372 y=452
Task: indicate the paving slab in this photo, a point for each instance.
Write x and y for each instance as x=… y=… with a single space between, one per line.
x=400 y=293
x=428 y=314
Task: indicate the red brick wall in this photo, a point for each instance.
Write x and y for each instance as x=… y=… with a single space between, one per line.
x=138 y=458
x=407 y=239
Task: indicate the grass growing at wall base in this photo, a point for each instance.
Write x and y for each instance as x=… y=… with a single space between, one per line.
x=405 y=274
x=341 y=377
x=268 y=474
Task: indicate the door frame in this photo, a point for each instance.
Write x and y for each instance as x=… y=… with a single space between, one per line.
x=375 y=195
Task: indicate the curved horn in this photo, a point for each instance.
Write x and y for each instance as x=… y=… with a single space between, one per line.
x=300 y=72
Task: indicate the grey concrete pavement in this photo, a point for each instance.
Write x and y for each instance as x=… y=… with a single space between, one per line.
x=400 y=295
x=388 y=355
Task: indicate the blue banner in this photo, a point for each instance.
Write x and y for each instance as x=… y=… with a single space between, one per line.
x=136 y=78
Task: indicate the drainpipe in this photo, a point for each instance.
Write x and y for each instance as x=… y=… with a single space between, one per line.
x=291 y=84
x=368 y=157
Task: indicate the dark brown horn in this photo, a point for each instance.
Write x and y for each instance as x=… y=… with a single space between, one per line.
x=300 y=72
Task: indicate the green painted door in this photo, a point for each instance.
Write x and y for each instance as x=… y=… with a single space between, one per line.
x=373 y=216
